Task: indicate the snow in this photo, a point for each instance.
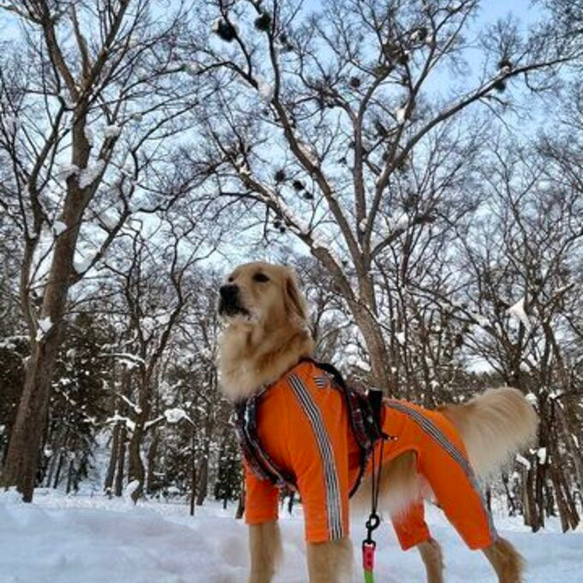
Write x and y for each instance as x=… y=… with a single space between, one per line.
x=67 y=170
x=89 y=135
x=481 y=320
x=110 y=219
x=127 y=357
x=308 y=153
x=242 y=166
x=531 y=398
x=400 y=223
x=401 y=115
x=542 y=455
x=175 y=415
x=192 y=68
x=112 y=131
x=117 y=418
x=90 y=174
x=400 y=336
x=415 y=35
x=517 y=310
x=68 y=539
x=265 y=89
x=69 y=103
x=522 y=460
x=81 y=265
x=44 y=327
x=131 y=488
x=59 y=228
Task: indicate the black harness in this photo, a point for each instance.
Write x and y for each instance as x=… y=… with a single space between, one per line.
x=364 y=412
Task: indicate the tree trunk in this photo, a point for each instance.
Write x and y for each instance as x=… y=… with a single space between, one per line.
x=112 y=460
x=136 y=465
x=152 y=454
x=136 y=469
x=22 y=459
x=69 y=477
x=192 y=475
x=58 y=472
x=379 y=358
x=58 y=447
x=241 y=506
x=509 y=495
x=121 y=458
x=202 y=487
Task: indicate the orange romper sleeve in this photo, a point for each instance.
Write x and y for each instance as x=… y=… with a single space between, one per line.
x=261 y=499
x=318 y=446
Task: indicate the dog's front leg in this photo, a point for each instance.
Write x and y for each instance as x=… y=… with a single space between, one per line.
x=330 y=562
x=265 y=550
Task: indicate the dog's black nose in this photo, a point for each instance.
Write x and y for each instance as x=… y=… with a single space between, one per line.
x=228 y=291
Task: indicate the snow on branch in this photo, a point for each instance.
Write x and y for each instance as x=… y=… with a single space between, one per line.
x=44 y=327
x=112 y=131
x=522 y=460
x=90 y=174
x=176 y=415
x=117 y=418
x=518 y=312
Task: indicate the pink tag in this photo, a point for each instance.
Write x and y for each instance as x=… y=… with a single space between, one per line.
x=368 y=557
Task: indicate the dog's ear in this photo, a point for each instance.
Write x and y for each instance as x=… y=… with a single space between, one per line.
x=294 y=302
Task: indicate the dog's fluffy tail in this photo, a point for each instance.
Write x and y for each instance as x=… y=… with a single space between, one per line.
x=494 y=426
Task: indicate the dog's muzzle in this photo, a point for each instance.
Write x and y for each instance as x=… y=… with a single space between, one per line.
x=230 y=301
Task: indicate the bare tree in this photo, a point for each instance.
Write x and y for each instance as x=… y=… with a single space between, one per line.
x=518 y=306
x=88 y=97
x=322 y=113
x=154 y=276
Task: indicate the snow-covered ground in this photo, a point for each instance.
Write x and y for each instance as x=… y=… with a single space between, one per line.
x=82 y=539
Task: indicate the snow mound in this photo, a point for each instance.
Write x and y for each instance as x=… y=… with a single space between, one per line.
x=72 y=539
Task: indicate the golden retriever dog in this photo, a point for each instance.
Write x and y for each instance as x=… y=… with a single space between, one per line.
x=267 y=334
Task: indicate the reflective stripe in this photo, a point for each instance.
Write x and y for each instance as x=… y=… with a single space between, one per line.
x=333 y=499
x=321 y=381
x=433 y=431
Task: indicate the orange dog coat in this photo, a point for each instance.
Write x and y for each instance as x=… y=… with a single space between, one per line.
x=303 y=425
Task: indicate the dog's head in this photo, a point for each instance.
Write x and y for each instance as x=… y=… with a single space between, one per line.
x=267 y=331
x=261 y=293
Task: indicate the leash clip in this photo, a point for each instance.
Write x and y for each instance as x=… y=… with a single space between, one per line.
x=371 y=524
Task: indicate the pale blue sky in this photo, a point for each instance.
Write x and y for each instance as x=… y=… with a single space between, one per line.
x=490 y=11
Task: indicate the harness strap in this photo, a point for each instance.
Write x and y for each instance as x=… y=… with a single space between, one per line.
x=255 y=456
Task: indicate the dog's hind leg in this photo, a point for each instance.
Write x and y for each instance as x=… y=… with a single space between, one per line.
x=433 y=559
x=506 y=560
x=265 y=550
x=330 y=562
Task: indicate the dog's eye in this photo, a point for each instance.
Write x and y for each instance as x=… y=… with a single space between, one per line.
x=260 y=277
x=231 y=279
